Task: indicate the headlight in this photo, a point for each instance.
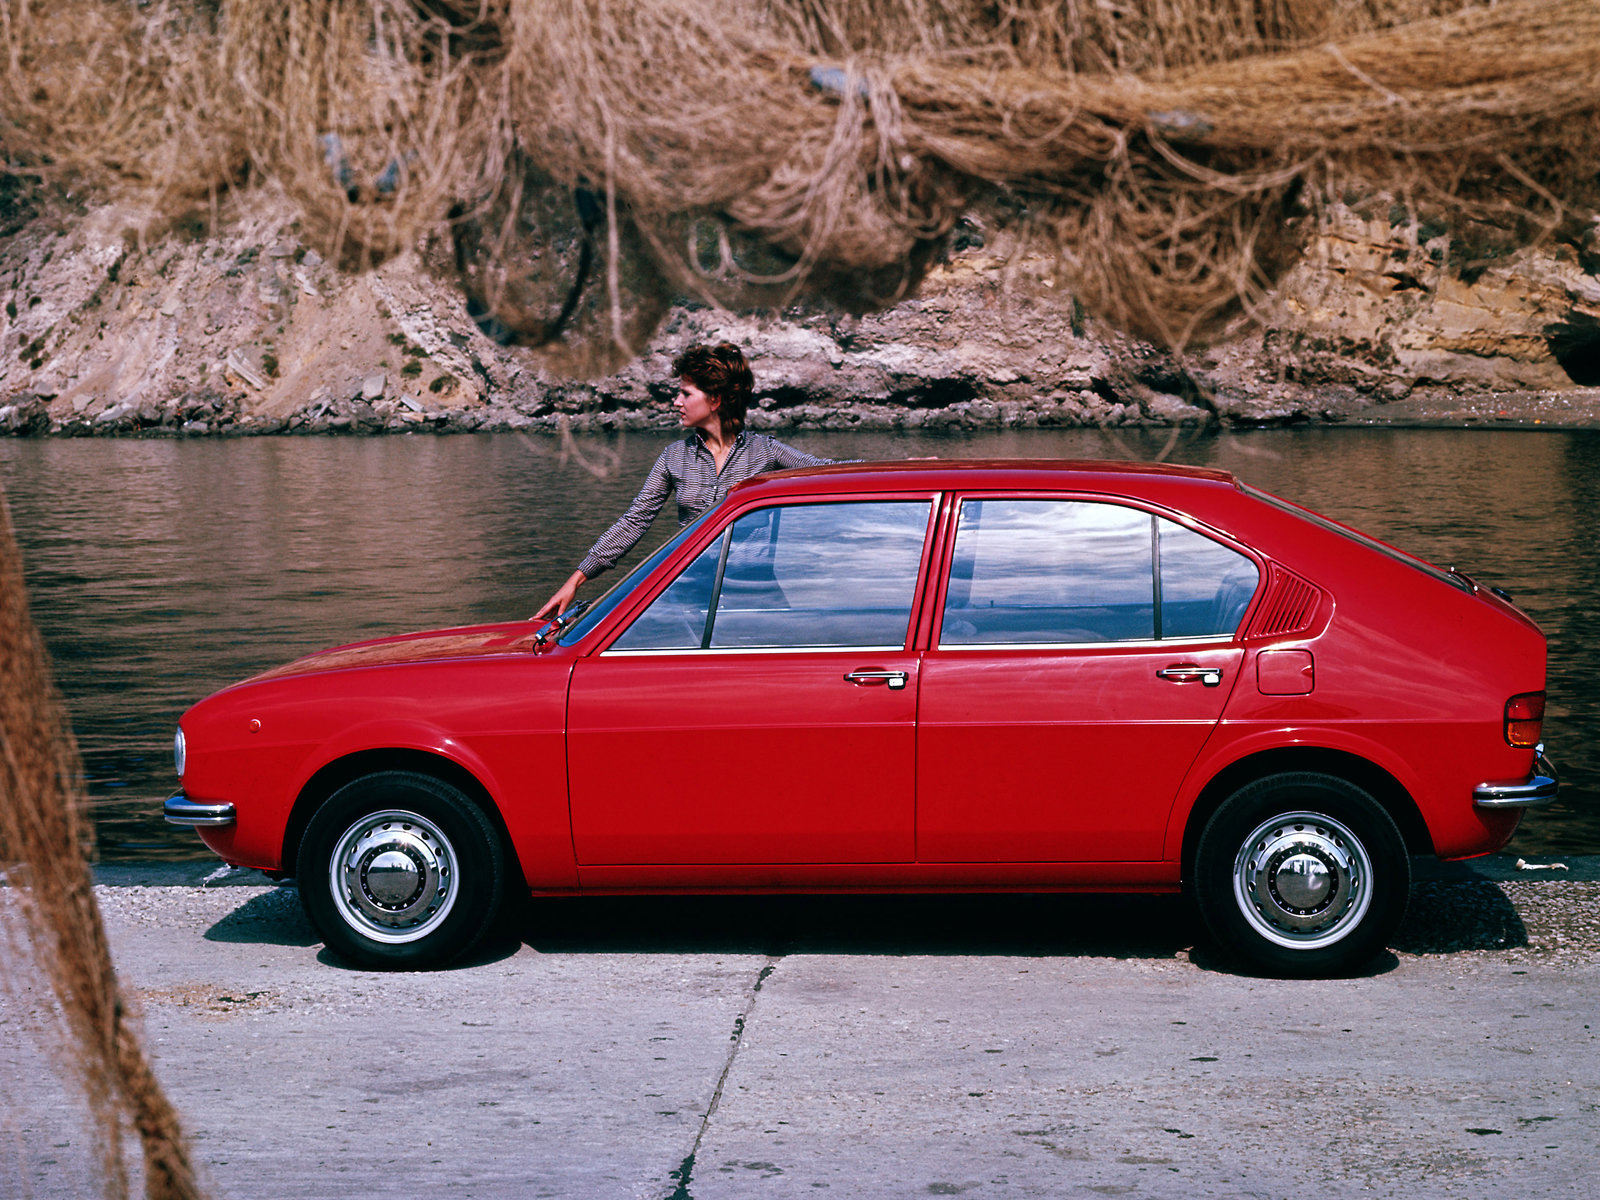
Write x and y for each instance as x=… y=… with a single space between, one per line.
x=178 y=754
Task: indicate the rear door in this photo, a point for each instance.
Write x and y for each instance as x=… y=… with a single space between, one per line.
x=1083 y=653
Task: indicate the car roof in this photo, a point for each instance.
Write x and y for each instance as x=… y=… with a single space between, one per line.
x=1048 y=474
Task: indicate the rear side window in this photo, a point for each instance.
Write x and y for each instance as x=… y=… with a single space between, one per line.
x=1027 y=572
x=803 y=576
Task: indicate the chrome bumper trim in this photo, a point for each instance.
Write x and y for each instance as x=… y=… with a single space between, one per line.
x=180 y=810
x=1539 y=789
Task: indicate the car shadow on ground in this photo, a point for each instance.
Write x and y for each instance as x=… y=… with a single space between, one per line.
x=1209 y=958
x=272 y=918
x=1445 y=918
x=1100 y=926
x=1441 y=918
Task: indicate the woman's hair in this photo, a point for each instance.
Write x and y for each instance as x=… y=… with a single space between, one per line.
x=722 y=373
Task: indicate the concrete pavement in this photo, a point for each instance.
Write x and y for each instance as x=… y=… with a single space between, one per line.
x=869 y=1046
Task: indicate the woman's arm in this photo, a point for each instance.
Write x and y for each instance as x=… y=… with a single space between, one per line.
x=785 y=456
x=623 y=535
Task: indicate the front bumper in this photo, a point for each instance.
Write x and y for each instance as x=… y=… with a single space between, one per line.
x=1536 y=791
x=180 y=810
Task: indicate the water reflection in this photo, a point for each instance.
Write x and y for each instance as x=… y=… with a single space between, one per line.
x=162 y=570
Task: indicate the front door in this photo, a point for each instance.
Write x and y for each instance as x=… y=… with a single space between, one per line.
x=763 y=708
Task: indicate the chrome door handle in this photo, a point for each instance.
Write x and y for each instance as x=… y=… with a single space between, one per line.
x=1191 y=673
x=895 y=679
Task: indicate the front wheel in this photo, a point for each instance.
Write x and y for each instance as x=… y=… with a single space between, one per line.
x=1301 y=874
x=399 y=869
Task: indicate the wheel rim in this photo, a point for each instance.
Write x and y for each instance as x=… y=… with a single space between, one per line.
x=1303 y=880
x=393 y=876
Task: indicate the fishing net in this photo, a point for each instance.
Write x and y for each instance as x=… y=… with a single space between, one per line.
x=595 y=158
x=51 y=925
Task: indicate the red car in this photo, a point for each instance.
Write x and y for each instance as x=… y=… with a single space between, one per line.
x=929 y=677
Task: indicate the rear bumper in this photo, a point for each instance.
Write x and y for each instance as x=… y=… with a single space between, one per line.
x=180 y=810
x=1536 y=791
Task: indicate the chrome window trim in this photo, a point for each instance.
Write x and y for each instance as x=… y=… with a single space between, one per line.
x=898 y=648
x=1218 y=640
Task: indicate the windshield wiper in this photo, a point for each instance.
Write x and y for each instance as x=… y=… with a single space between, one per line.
x=560 y=621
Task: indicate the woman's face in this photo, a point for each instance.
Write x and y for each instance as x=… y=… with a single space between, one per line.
x=696 y=410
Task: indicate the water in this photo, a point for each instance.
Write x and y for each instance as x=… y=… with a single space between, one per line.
x=161 y=570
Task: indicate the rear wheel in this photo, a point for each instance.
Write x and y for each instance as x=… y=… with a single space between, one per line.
x=1301 y=874
x=399 y=869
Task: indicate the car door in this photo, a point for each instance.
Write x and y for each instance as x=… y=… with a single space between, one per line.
x=1084 y=652
x=762 y=709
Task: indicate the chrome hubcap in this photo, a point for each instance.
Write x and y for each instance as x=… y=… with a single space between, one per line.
x=1303 y=880
x=393 y=876
x=1303 y=883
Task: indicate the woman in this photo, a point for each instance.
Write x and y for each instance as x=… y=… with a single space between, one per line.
x=714 y=386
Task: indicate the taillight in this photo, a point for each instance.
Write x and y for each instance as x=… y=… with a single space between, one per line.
x=1524 y=719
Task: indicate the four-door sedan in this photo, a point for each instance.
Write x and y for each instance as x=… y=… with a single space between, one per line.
x=917 y=677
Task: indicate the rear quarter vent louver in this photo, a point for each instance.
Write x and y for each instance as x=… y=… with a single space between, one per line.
x=1290 y=605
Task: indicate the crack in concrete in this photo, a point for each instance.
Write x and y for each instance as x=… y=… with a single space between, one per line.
x=685 y=1170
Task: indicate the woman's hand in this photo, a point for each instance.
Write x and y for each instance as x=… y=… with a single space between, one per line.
x=559 y=602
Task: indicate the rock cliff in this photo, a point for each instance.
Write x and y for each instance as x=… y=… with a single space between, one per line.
x=242 y=327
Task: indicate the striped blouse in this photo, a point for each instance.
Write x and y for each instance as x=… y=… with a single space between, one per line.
x=687 y=468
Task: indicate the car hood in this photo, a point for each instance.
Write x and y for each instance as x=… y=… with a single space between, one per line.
x=481 y=641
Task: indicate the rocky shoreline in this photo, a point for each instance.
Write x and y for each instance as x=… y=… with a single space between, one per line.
x=243 y=329
x=221 y=415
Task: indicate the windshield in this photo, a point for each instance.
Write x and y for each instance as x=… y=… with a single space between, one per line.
x=620 y=590
x=1372 y=543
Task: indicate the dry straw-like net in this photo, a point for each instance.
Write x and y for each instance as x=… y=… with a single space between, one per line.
x=59 y=936
x=593 y=158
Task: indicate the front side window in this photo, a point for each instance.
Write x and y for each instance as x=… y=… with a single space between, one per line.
x=1072 y=571
x=803 y=576
x=676 y=620
x=623 y=588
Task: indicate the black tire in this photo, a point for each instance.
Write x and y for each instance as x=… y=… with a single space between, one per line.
x=1301 y=874
x=401 y=870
